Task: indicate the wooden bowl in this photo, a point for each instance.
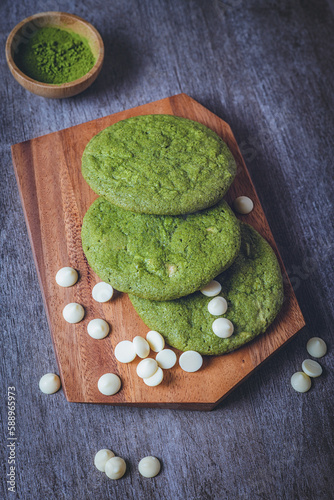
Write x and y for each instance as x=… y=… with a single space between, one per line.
x=21 y=33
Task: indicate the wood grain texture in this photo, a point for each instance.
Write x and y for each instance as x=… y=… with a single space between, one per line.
x=55 y=198
x=265 y=67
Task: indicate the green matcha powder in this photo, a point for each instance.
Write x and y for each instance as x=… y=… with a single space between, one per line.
x=53 y=55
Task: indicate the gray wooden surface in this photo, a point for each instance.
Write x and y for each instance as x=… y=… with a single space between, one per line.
x=266 y=67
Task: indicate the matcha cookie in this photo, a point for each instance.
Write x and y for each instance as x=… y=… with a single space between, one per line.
x=252 y=287
x=159 y=164
x=159 y=257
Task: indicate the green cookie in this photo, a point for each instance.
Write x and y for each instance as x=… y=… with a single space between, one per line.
x=159 y=257
x=159 y=164
x=252 y=287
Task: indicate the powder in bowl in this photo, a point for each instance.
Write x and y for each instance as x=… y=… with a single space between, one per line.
x=55 y=56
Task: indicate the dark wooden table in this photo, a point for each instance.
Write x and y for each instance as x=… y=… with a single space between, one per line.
x=266 y=67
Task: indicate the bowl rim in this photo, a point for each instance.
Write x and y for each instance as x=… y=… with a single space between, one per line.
x=15 y=69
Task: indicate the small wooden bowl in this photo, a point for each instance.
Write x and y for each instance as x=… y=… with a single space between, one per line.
x=22 y=32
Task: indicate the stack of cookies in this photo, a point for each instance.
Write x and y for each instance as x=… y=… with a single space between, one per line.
x=161 y=232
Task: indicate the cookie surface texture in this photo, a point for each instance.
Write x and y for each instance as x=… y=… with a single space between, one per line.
x=159 y=164
x=252 y=287
x=155 y=256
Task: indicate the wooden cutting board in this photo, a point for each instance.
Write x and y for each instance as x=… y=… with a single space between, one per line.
x=55 y=198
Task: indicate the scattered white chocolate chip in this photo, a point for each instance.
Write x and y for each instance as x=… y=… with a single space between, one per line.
x=49 y=383
x=311 y=368
x=154 y=379
x=166 y=359
x=102 y=292
x=316 y=347
x=300 y=382
x=115 y=468
x=212 y=289
x=149 y=467
x=67 y=276
x=101 y=458
x=217 y=306
x=98 y=328
x=141 y=346
x=155 y=340
x=223 y=328
x=73 y=312
x=109 y=384
x=243 y=205
x=190 y=361
x=147 y=367
x=125 y=351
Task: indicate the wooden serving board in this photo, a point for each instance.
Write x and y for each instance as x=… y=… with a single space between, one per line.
x=55 y=198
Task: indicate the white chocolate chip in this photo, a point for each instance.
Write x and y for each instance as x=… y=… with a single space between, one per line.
x=149 y=467
x=316 y=347
x=115 y=468
x=141 y=346
x=217 y=306
x=125 y=351
x=98 y=328
x=73 y=312
x=49 y=383
x=190 y=361
x=147 y=367
x=212 y=289
x=171 y=269
x=223 y=328
x=154 y=379
x=166 y=359
x=102 y=292
x=101 y=458
x=66 y=276
x=109 y=384
x=300 y=382
x=311 y=368
x=243 y=205
x=155 y=340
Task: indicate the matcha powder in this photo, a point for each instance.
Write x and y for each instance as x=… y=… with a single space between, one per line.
x=53 y=55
